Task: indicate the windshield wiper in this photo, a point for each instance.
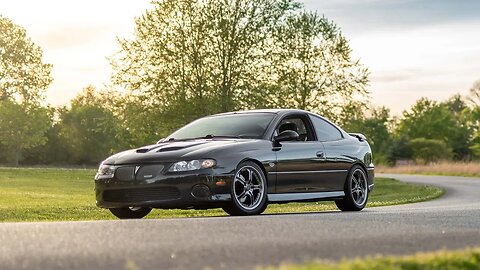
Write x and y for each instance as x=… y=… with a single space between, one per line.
x=211 y=136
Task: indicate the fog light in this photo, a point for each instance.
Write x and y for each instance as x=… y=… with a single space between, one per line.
x=200 y=191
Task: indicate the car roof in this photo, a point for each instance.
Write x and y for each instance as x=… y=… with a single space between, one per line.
x=274 y=111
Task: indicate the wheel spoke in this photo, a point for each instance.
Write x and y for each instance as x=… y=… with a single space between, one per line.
x=241 y=179
x=250 y=176
x=355 y=180
x=251 y=197
x=242 y=195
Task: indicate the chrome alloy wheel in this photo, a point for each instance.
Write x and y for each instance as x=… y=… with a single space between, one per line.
x=248 y=187
x=359 y=187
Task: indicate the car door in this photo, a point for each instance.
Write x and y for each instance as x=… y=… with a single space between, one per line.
x=299 y=162
x=337 y=162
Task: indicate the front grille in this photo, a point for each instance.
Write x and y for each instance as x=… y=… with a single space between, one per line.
x=141 y=194
x=126 y=173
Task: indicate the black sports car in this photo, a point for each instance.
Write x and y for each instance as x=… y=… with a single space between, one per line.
x=240 y=161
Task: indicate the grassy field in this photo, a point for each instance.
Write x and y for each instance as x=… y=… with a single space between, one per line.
x=443 y=168
x=457 y=260
x=68 y=194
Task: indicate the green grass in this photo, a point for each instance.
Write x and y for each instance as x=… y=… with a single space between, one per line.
x=468 y=259
x=68 y=194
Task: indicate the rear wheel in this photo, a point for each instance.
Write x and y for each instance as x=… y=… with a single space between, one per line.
x=130 y=212
x=248 y=191
x=356 y=191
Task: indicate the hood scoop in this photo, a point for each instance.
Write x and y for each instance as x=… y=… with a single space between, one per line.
x=147 y=149
x=167 y=147
x=178 y=146
x=174 y=148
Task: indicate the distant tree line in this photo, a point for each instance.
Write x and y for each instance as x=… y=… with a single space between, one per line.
x=428 y=132
x=190 y=58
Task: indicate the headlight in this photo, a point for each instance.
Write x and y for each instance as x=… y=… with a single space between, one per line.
x=105 y=172
x=192 y=165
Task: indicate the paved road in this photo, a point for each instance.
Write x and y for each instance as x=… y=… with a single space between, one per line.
x=451 y=222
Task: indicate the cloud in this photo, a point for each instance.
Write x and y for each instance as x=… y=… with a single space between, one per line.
x=356 y=17
x=435 y=61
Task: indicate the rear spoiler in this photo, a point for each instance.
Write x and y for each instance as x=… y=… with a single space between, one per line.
x=359 y=136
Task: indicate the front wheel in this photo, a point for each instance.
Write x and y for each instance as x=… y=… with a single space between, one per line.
x=130 y=212
x=248 y=191
x=356 y=191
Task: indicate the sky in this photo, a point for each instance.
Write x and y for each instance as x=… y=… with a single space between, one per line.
x=413 y=48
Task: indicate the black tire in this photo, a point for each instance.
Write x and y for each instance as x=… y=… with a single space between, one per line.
x=353 y=201
x=256 y=186
x=130 y=212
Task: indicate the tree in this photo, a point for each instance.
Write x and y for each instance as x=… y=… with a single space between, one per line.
x=315 y=69
x=475 y=123
x=474 y=120
x=376 y=127
x=438 y=121
x=88 y=130
x=23 y=80
x=461 y=140
x=21 y=129
x=474 y=96
x=23 y=75
x=190 y=58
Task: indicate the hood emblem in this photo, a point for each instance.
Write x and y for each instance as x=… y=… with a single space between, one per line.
x=136 y=170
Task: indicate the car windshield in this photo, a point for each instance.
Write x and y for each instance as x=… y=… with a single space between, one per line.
x=232 y=125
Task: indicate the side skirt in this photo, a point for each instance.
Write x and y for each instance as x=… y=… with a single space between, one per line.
x=284 y=197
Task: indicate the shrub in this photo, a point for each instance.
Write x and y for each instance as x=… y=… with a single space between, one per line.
x=426 y=151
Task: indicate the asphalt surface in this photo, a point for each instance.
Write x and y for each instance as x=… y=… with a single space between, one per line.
x=450 y=222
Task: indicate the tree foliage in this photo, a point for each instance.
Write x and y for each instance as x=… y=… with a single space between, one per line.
x=474 y=120
x=21 y=129
x=190 y=58
x=438 y=121
x=315 y=70
x=89 y=130
x=376 y=126
x=23 y=75
x=23 y=79
x=474 y=95
x=426 y=151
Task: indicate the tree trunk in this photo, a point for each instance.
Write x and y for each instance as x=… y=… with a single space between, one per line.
x=16 y=156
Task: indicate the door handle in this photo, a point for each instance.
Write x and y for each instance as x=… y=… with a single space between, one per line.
x=321 y=154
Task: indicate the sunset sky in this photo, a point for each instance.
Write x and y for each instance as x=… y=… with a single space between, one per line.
x=413 y=48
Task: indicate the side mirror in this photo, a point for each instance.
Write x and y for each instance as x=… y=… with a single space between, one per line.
x=285 y=136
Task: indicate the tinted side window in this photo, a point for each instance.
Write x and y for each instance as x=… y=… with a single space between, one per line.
x=297 y=124
x=325 y=131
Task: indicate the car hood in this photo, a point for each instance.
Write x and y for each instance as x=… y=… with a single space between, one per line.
x=173 y=151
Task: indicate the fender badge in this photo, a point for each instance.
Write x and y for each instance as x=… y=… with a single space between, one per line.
x=271 y=164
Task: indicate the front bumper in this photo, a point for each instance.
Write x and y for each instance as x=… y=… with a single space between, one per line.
x=200 y=189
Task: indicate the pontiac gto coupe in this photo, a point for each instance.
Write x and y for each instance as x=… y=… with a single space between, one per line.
x=241 y=162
